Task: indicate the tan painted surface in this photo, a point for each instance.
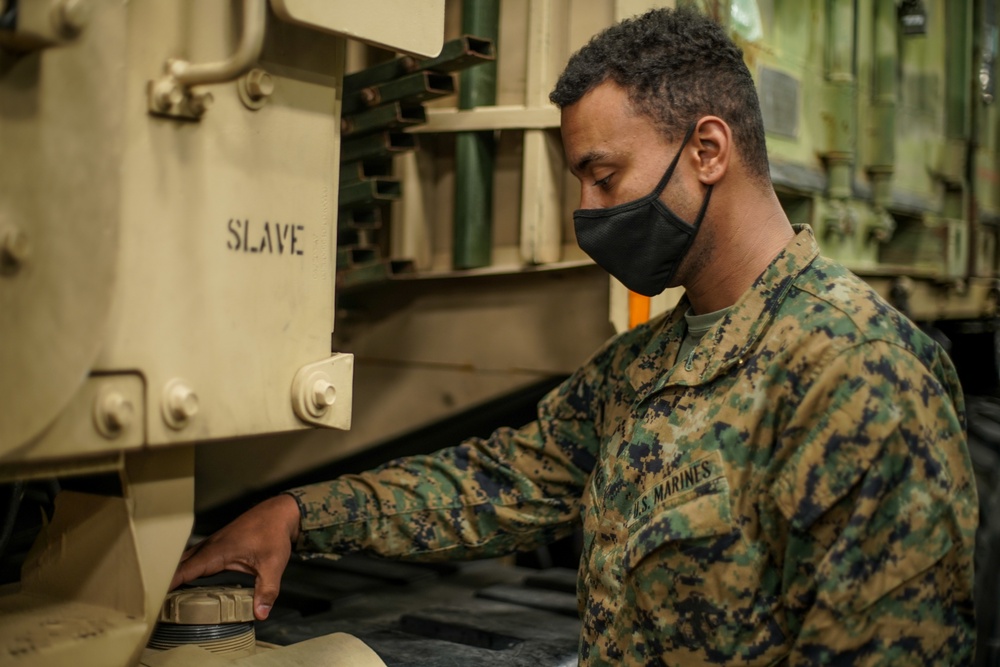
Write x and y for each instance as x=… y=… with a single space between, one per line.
x=163 y=281
x=427 y=349
x=404 y=25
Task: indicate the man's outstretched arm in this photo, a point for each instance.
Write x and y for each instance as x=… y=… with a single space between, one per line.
x=485 y=497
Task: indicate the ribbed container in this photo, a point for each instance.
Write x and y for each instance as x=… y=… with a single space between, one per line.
x=217 y=618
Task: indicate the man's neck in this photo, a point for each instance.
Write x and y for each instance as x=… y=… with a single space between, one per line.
x=743 y=245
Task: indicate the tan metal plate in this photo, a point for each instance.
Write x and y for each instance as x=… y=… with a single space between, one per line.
x=226 y=252
x=401 y=25
x=54 y=307
x=43 y=631
x=76 y=433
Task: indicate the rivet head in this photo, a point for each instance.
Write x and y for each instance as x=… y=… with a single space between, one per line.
x=183 y=403
x=167 y=93
x=259 y=84
x=324 y=394
x=114 y=413
x=70 y=17
x=180 y=404
x=15 y=248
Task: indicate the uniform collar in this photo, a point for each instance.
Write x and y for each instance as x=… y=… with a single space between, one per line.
x=728 y=342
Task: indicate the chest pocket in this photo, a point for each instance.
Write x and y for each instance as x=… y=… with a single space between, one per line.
x=694 y=584
x=706 y=513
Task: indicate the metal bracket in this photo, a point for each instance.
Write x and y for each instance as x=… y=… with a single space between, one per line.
x=171 y=94
x=322 y=392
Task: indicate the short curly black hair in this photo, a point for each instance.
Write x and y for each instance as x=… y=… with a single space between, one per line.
x=677 y=66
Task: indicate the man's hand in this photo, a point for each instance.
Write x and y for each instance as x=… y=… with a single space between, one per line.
x=258 y=542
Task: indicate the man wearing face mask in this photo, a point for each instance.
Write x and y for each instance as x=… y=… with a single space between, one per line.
x=776 y=470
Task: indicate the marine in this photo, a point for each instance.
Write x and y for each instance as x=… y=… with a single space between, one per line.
x=774 y=472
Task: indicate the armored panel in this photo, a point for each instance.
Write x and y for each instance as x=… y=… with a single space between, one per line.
x=184 y=238
x=168 y=208
x=404 y=25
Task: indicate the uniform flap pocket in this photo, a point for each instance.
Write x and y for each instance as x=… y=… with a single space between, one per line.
x=859 y=570
x=671 y=511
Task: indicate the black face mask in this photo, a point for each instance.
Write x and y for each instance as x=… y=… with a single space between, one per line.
x=641 y=242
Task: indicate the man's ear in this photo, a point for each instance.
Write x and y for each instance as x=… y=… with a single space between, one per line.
x=713 y=140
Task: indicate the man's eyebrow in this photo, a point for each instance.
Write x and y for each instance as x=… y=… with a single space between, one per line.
x=587 y=158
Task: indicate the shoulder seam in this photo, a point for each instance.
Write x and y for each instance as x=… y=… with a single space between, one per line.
x=864 y=333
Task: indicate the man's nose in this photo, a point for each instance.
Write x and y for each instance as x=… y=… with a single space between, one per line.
x=589 y=198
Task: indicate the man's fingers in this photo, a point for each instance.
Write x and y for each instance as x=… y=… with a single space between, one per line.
x=266 y=588
x=180 y=575
x=193 y=567
x=205 y=563
x=192 y=551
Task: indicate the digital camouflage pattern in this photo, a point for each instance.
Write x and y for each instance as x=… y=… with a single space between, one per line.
x=796 y=489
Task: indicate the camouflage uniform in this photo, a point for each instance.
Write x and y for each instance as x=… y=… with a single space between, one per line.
x=797 y=488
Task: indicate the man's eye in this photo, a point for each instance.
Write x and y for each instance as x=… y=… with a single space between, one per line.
x=603 y=183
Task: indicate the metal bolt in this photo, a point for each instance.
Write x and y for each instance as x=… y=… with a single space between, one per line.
x=259 y=84
x=370 y=96
x=15 y=248
x=114 y=413
x=70 y=17
x=200 y=102
x=324 y=394
x=182 y=402
x=167 y=93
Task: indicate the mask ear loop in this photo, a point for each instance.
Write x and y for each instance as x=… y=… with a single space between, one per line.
x=670 y=170
x=704 y=207
x=701 y=212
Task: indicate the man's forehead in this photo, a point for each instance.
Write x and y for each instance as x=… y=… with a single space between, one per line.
x=600 y=124
x=605 y=99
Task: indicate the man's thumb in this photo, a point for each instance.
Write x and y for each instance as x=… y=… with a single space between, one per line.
x=265 y=593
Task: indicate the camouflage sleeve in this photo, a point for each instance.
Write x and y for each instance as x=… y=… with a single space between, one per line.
x=516 y=490
x=881 y=512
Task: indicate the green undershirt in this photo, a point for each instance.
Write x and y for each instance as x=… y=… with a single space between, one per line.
x=697 y=326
